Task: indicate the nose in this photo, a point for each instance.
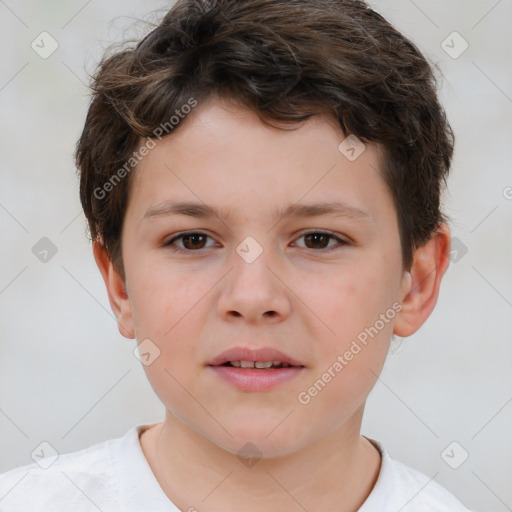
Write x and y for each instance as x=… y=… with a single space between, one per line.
x=254 y=292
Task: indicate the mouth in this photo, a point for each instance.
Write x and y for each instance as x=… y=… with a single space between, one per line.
x=260 y=365
x=255 y=370
x=263 y=358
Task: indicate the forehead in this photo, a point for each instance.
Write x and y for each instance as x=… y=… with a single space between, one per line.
x=226 y=158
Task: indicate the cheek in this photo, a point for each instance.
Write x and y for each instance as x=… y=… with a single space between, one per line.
x=171 y=307
x=346 y=299
x=351 y=303
x=164 y=298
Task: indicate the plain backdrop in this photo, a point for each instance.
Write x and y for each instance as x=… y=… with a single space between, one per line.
x=68 y=377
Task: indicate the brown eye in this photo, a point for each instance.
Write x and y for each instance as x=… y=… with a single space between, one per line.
x=190 y=242
x=317 y=240
x=194 y=241
x=320 y=240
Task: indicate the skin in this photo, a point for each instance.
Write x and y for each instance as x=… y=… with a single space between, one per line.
x=194 y=305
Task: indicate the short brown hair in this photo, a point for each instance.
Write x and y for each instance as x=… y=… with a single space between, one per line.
x=286 y=61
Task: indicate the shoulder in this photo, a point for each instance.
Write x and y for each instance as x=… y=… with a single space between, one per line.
x=404 y=488
x=82 y=478
x=424 y=492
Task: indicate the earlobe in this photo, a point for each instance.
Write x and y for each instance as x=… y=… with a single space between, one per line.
x=429 y=265
x=116 y=289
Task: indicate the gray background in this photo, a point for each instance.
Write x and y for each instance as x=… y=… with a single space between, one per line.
x=68 y=377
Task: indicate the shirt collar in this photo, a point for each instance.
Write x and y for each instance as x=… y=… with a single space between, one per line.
x=138 y=487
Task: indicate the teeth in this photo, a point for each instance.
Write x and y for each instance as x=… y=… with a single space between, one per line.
x=261 y=364
x=257 y=364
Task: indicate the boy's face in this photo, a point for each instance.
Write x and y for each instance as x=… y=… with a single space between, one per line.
x=306 y=296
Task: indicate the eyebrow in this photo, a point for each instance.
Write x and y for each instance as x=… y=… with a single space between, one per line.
x=203 y=211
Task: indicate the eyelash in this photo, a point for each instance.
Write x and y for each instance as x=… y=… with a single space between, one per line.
x=340 y=244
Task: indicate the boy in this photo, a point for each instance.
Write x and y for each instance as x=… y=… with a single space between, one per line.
x=262 y=183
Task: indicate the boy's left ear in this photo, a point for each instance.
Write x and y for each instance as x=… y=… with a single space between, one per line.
x=429 y=265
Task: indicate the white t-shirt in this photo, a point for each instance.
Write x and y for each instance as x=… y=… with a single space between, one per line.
x=114 y=476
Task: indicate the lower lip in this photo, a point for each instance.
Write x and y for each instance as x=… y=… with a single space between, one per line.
x=249 y=379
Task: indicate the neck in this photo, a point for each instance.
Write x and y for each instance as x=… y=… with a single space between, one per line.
x=336 y=472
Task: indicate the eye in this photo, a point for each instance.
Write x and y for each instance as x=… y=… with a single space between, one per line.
x=320 y=240
x=191 y=241
x=195 y=241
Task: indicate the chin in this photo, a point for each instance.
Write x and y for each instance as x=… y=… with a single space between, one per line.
x=261 y=439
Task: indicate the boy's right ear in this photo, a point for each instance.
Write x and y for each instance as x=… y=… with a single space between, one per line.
x=116 y=289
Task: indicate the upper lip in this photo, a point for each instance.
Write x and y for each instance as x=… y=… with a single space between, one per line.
x=253 y=354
